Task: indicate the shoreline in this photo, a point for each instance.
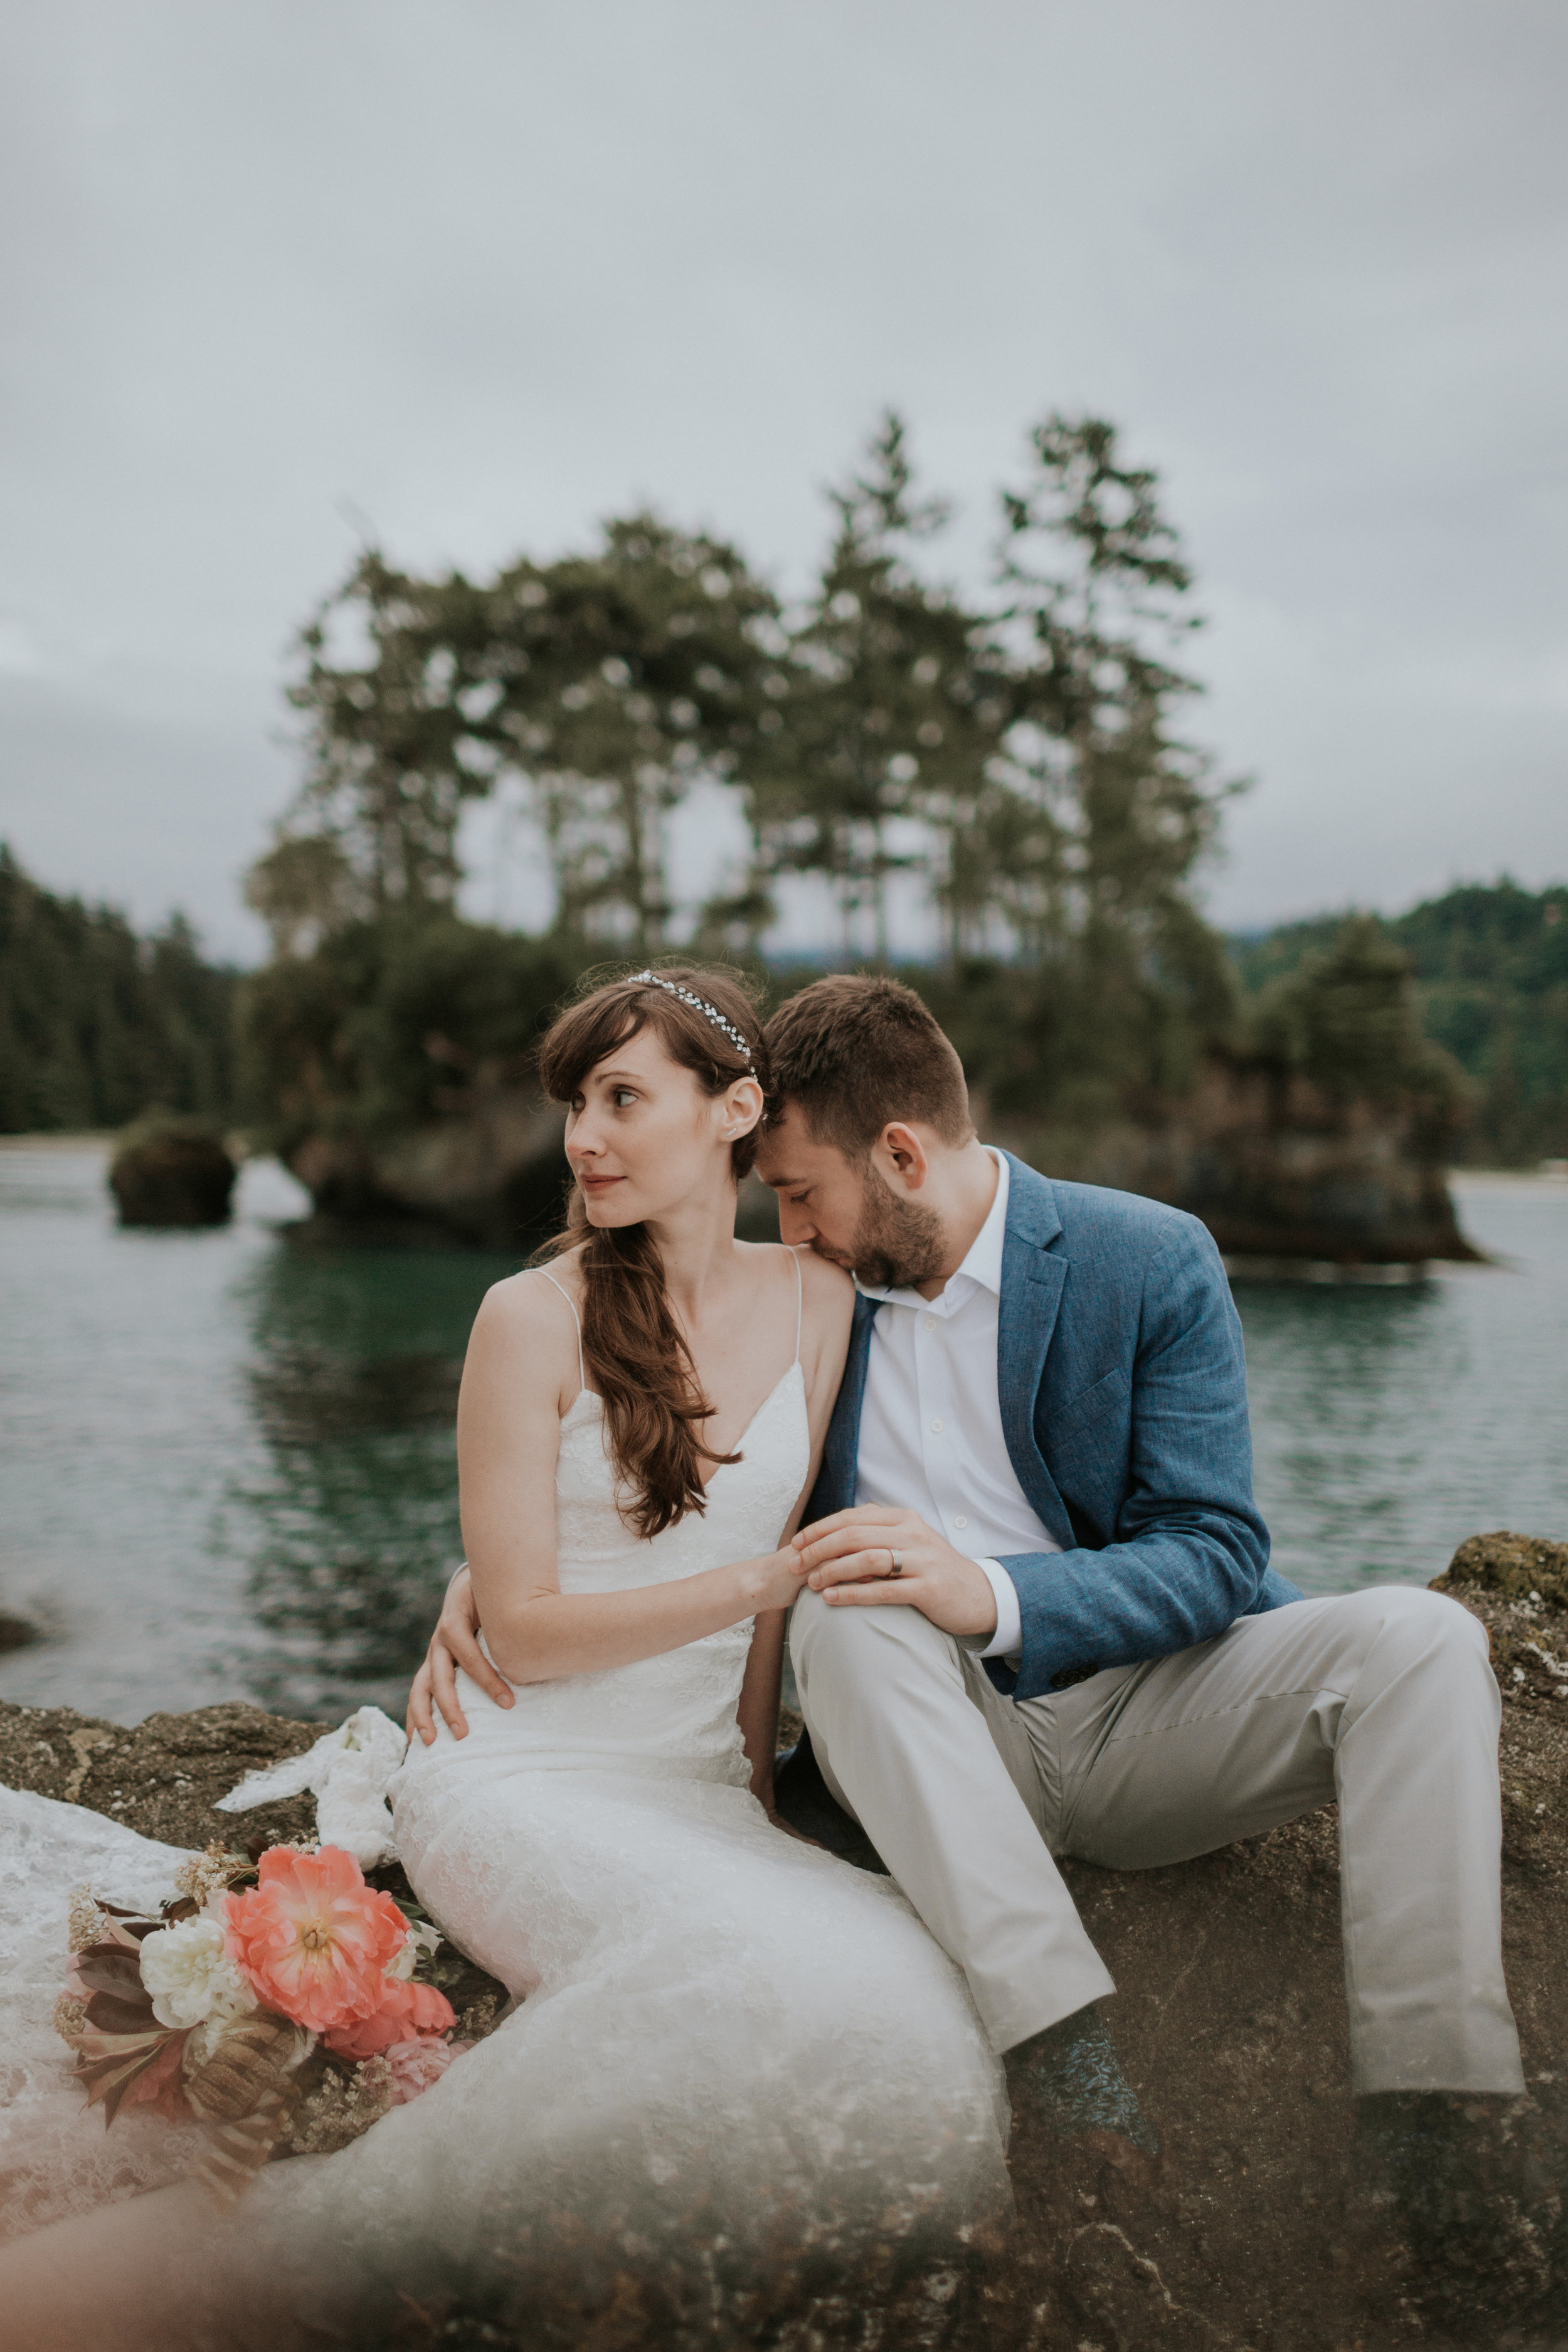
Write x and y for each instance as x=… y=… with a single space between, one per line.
x=104 y=1139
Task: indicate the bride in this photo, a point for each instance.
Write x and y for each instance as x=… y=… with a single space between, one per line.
x=728 y=2053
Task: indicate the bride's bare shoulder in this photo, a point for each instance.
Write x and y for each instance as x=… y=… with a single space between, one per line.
x=531 y=1306
x=827 y=1290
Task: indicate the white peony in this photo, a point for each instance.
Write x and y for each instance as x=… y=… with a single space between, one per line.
x=421 y=1937
x=190 y=1978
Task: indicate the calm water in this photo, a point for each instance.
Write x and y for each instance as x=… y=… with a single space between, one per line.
x=229 y=1471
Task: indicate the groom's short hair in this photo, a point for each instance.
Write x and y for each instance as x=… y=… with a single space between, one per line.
x=856 y=1052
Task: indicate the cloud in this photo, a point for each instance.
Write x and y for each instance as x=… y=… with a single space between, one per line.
x=487 y=272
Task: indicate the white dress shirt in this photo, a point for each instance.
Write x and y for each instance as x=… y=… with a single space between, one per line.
x=930 y=1423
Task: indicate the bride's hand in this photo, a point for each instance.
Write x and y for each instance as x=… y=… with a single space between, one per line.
x=778 y=1580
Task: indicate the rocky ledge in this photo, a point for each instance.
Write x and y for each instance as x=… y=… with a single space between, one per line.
x=1230 y=2017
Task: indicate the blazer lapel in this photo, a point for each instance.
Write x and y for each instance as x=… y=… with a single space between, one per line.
x=1033 y=1276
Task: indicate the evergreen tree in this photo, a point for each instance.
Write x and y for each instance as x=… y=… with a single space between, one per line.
x=97 y=1026
x=605 y=684
x=392 y=755
x=889 y=715
x=1095 y=814
x=650 y=675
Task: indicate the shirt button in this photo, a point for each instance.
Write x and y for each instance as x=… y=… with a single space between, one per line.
x=960 y=1521
x=937 y=1426
x=928 y=1322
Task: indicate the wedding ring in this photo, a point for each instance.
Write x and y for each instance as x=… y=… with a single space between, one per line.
x=895 y=1563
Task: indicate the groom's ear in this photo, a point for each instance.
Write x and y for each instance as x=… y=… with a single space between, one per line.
x=905 y=1152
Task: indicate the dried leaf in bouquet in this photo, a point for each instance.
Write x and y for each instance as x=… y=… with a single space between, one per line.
x=138 y=2069
x=235 y=2152
x=123 y=2053
x=248 y=2091
x=256 y=2054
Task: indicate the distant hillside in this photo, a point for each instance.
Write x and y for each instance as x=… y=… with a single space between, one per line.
x=1491 y=971
x=98 y=1024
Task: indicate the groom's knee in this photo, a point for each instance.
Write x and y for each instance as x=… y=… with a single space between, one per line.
x=1404 y=1635
x=1410 y=1625
x=873 y=1651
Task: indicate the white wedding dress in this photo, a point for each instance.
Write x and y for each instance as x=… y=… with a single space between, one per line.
x=720 y=2034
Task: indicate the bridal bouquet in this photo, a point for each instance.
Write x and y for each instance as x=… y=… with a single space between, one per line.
x=280 y=2003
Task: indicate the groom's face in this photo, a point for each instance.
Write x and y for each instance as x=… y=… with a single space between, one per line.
x=847 y=1210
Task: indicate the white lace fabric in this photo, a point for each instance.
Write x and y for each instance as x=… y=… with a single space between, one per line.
x=713 y=2020
x=55 y=2158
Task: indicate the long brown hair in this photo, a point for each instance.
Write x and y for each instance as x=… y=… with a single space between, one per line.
x=634 y=1354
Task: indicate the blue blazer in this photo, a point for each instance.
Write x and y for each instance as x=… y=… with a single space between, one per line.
x=1124 y=1392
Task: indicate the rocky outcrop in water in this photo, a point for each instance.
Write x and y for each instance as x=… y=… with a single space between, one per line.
x=1276 y=1168
x=490 y=1176
x=173 y=1173
x=1230 y=2017
x=1280 y=1168
x=1315 y=1132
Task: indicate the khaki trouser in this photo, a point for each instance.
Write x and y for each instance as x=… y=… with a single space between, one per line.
x=1383 y=1699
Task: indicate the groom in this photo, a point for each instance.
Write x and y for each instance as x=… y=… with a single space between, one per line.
x=1039 y=1618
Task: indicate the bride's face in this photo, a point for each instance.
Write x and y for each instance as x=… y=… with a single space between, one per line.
x=644 y=1139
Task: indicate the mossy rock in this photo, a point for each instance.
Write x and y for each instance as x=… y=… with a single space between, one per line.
x=1514 y=1567
x=173 y=1173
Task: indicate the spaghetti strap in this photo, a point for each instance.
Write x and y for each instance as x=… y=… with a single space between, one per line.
x=799 y=1302
x=567 y=1294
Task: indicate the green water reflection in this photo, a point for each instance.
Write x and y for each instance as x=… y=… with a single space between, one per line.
x=230 y=1471
x=351 y=1529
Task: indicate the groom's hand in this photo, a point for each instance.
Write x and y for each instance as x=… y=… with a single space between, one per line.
x=847 y=1560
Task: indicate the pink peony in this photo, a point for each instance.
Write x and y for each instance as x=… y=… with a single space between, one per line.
x=312 y=1939
x=417 y=2064
x=404 y=2011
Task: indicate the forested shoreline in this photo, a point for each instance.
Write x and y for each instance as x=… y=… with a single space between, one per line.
x=1490 y=964
x=100 y=1026
x=100 y=1023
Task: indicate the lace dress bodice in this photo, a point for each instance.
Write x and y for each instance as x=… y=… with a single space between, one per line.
x=672 y=1716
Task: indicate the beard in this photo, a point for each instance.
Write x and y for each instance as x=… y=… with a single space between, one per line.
x=896 y=1244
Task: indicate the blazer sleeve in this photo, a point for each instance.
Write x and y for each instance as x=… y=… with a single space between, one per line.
x=1191 y=1552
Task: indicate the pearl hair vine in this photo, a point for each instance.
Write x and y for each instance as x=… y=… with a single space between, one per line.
x=697 y=1004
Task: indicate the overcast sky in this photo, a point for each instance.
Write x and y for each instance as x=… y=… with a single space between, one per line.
x=482 y=271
